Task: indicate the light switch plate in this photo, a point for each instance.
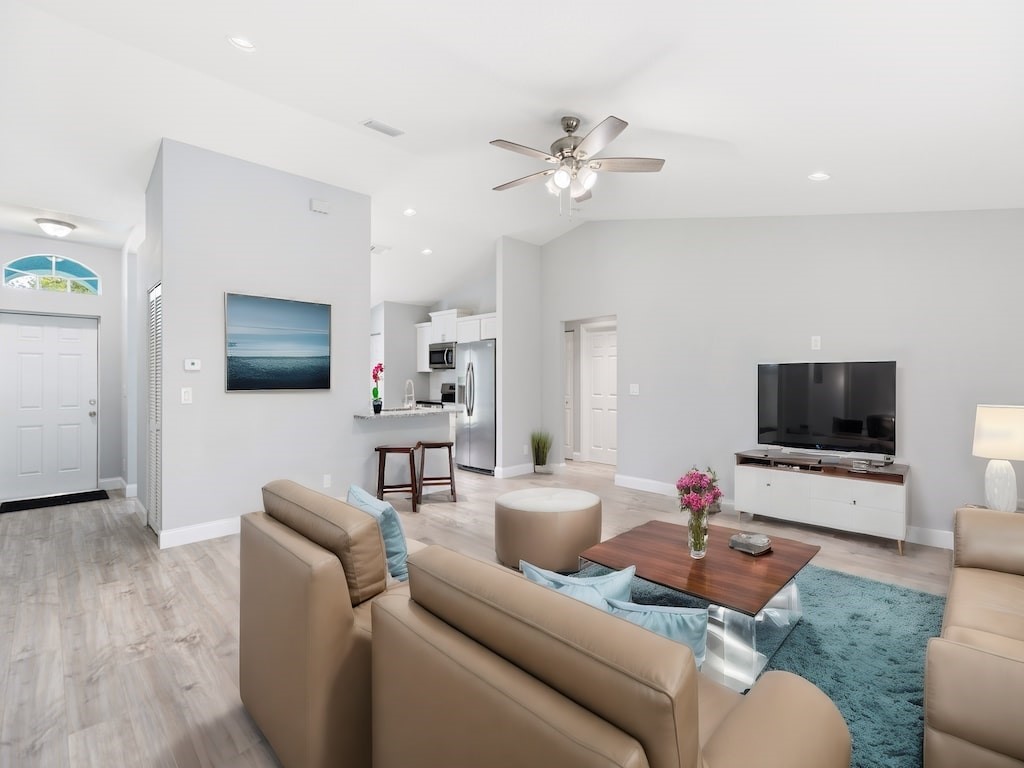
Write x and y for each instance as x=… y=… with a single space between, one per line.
x=186 y=395
x=815 y=342
x=634 y=389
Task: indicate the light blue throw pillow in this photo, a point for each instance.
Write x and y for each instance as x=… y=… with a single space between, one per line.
x=593 y=590
x=688 y=626
x=390 y=528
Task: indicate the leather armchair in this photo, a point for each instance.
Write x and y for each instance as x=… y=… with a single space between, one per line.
x=310 y=567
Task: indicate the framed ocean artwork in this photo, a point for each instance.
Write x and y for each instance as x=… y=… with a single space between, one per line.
x=276 y=343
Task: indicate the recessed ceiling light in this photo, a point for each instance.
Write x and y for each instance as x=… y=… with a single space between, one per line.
x=55 y=228
x=426 y=251
x=819 y=176
x=409 y=212
x=242 y=43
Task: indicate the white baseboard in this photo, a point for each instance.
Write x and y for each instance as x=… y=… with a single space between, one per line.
x=189 y=534
x=643 y=484
x=111 y=483
x=513 y=471
x=930 y=537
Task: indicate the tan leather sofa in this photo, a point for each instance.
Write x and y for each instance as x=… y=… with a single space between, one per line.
x=311 y=565
x=484 y=668
x=974 y=672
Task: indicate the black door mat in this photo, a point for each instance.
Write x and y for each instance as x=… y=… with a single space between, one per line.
x=52 y=501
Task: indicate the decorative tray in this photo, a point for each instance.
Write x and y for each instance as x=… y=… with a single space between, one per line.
x=751 y=543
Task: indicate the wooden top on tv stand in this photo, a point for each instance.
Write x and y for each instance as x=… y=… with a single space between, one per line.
x=826 y=465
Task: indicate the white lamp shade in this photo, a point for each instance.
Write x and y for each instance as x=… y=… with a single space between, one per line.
x=562 y=178
x=999 y=432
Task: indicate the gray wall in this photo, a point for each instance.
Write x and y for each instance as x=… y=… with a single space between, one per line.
x=398 y=326
x=700 y=302
x=519 y=338
x=107 y=307
x=225 y=225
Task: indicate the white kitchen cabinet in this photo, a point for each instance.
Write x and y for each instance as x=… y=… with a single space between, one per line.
x=423 y=331
x=489 y=326
x=468 y=329
x=444 y=325
x=477 y=327
x=826 y=492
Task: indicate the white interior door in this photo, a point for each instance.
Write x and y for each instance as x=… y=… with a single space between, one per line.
x=568 y=428
x=600 y=396
x=48 y=405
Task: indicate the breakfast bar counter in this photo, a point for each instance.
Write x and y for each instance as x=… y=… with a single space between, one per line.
x=406 y=426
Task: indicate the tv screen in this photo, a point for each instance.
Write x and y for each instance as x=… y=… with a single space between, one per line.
x=828 y=406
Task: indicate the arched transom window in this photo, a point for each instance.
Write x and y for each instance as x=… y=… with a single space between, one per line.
x=49 y=272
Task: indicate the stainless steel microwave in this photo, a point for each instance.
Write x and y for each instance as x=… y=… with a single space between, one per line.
x=442 y=356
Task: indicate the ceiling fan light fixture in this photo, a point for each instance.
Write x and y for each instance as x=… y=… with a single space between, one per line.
x=551 y=187
x=576 y=189
x=562 y=178
x=587 y=177
x=55 y=228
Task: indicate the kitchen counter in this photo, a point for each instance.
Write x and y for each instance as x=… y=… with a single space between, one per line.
x=404 y=413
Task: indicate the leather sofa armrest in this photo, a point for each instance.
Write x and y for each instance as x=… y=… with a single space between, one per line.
x=974 y=695
x=988 y=538
x=783 y=722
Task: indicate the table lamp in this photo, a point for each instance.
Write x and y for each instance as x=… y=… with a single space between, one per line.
x=999 y=436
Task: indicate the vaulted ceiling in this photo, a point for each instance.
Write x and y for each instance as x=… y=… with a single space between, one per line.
x=909 y=106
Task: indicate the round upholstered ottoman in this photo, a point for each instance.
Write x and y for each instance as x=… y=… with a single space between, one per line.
x=546 y=527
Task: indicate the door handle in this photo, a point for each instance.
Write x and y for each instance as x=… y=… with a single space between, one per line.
x=92 y=413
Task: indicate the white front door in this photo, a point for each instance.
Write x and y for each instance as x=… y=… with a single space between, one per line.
x=601 y=396
x=48 y=405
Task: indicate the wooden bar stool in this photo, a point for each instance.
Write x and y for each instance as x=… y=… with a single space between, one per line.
x=383 y=451
x=448 y=479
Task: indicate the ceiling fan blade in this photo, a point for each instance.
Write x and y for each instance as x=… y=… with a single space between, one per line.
x=600 y=137
x=528 y=151
x=533 y=176
x=627 y=164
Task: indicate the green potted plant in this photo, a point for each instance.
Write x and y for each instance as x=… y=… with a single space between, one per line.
x=540 y=442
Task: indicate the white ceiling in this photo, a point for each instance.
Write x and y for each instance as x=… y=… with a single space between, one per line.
x=910 y=106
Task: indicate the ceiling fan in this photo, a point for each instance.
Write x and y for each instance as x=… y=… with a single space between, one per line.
x=576 y=168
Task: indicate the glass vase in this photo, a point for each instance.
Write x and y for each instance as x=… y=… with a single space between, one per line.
x=697 y=533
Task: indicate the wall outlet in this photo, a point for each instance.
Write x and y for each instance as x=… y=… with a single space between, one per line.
x=327 y=481
x=634 y=389
x=815 y=342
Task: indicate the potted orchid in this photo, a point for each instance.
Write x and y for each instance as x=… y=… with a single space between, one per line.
x=377 y=373
x=698 y=491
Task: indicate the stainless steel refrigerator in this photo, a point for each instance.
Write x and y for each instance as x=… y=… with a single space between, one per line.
x=476 y=422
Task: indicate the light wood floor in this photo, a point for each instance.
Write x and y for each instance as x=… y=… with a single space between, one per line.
x=114 y=653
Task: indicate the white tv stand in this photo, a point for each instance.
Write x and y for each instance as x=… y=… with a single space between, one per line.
x=825 y=491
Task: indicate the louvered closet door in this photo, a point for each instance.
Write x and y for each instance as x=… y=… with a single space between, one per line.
x=155 y=398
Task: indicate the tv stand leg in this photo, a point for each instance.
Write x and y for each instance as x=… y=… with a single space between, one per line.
x=899 y=546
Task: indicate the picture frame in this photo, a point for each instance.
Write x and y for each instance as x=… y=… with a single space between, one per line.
x=276 y=344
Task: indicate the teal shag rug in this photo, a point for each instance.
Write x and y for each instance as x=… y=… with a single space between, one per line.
x=860 y=641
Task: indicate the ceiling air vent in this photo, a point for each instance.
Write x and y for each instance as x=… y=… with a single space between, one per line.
x=379 y=127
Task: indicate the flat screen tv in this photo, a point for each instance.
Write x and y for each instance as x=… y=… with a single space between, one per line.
x=828 y=406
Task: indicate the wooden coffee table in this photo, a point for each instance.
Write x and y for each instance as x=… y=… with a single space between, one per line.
x=744 y=591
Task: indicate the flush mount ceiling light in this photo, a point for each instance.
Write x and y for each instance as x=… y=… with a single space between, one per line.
x=55 y=228
x=409 y=212
x=426 y=252
x=819 y=176
x=242 y=43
